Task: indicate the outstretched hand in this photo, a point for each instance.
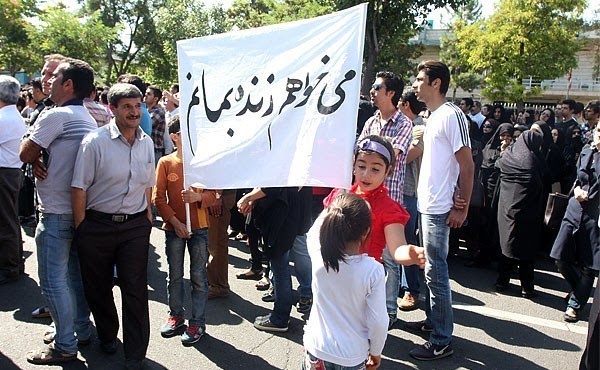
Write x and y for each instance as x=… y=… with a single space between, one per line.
x=417 y=255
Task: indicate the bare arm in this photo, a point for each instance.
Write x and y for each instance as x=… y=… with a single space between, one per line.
x=149 y=201
x=414 y=152
x=401 y=252
x=247 y=202
x=78 y=199
x=29 y=151
x=465 y=161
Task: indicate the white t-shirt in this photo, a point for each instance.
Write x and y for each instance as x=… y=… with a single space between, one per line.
x=349 y=318
x=12 y=129
x=445 y=133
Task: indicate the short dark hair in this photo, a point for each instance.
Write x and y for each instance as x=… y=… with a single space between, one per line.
x=436 y=69
x=175 y=86
x=571 y=103
x=36 y=83
x=468 y=101
x=121 y=91
x=578 y=108
x=392 y=83
x=594 y=105
x=347 y=220
x=132 y=79
x=81 y=74
x=104 y=97
x=174 y=124
x=415 y=105
x=156 y=91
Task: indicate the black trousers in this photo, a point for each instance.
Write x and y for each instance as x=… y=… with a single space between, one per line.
x=591 y=356
x=11 y=248
x=526 y=271
x=102 y=244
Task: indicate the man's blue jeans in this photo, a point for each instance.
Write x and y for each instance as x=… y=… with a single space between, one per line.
x=410 y=274
x=435 y=237
x=60 y=280
x=197 y=247
x=282 y=280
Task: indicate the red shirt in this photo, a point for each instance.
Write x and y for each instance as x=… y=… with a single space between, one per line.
x=384 y=211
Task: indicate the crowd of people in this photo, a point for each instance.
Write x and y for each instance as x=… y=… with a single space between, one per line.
x=429 y=176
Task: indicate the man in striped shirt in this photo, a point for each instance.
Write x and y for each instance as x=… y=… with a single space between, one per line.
x=446 y=160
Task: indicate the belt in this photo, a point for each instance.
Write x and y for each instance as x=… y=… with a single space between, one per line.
x=113 y=217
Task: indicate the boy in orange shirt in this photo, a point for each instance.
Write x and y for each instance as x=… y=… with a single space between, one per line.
x=169 y=198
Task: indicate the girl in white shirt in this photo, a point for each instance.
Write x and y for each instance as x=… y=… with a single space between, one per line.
x=348 y=322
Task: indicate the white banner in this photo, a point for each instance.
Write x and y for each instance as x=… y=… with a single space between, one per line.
x=272 y=106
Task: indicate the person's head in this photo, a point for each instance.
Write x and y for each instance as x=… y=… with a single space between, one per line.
x=499 y=113
x=592 y=113
x=465 y=105
x=487 y=109
x=558 y=111
x=171 y=101
x=489 y=125
x=505 y=132
x=410 y=106
x=346 y=224
x=174 y=88
x=174 y=126
x=568 y=108
x=104 y=97
x=518 y=130
x=134 y=80
x=476 y=108
x=387 y=90
x=374 y=159
x=555 y=134
x=37 y=90
x=579 y=107
x=547 y=115
x=10 y=90
x=125 y=102
x=72 y=79
x=152 y=96
x=432 y=80
x=51 y=61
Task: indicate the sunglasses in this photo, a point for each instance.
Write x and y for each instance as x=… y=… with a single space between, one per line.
x=377 y=87
x=487 y=126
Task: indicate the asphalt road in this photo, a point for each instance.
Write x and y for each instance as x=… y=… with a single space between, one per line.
x=491 y=331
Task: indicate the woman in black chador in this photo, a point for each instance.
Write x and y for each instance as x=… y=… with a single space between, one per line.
x=577 y=246
x=522 y=175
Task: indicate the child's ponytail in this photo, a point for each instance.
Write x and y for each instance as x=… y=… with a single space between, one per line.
x=347 y=220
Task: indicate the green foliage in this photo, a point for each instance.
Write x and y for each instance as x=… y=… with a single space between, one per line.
x=521 y=39
x=83 y=38
x=256 y=13
x=178 y=20
x=15 y=44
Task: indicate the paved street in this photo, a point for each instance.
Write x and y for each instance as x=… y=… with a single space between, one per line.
x=491 y=331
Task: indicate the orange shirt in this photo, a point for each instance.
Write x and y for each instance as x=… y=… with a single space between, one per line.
x=166 y=195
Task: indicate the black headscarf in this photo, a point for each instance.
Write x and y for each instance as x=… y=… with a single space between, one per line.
x=547 y=140
x=485 y=137
x=523 y=158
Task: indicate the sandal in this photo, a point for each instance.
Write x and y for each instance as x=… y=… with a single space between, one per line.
x=40 y=312
x=250 y=275
x=48 y=356
x=264 y=284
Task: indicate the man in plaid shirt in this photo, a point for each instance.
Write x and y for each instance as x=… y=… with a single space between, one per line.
x=157 y=114
x=389 y=122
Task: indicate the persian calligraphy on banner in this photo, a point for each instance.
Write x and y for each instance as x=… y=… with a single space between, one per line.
x=272 y=106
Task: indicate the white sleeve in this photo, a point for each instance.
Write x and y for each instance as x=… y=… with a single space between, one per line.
x=377 y=318
x=46 y=129
x=457 y=130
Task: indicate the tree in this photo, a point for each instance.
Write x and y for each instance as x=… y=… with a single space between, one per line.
x=522 y=38
x=256 y=13
x=138 y=31
x=390 y=24
x=16 y=52
x=83 y=38
x=178 y=20
x=462 y=76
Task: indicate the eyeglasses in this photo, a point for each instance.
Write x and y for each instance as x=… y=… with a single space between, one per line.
x=487 y=126
x=377 y=87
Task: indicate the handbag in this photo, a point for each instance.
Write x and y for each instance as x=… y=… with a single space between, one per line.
x=556 y=207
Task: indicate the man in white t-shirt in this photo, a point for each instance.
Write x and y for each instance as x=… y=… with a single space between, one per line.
x=446 y=160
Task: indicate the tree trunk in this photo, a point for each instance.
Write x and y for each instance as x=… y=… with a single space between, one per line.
x=369 y=68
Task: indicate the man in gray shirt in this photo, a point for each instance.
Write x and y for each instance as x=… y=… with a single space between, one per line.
x=59 y=131
x=111 y=189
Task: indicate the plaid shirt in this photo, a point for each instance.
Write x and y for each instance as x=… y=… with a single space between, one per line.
x=97 y=112
x=398 y=130
x=157 y=115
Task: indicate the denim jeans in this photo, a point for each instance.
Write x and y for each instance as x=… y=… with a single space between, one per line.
x=302 y=266
x=392 y=282
x=581 y=280
x=282 y=280
x=435 y=238
x=197 y=247
x=310 y=359
x=60 y=280
x=410 y=274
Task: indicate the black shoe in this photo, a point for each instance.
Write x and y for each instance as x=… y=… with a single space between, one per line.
x=528 y=293
x=430 y=351
x=418 y=326
x=501 y=287
x=109 y=347
x=268 y=297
